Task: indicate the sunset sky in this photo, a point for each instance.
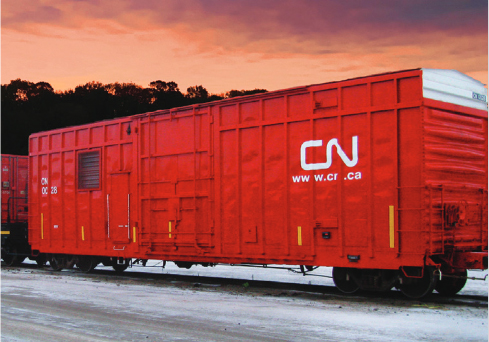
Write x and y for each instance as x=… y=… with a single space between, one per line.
x=237 y=44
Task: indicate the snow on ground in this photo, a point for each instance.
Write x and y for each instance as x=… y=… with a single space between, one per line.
x=46 y=306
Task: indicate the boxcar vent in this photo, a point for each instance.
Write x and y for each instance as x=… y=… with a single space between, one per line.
x=89 y=170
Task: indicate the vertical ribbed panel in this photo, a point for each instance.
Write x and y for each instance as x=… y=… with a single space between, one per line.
x=455 y=148
x=455 y=168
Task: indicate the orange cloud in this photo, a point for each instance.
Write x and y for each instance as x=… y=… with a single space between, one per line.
x=237 y=44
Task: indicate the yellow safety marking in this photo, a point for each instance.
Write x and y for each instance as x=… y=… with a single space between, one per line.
x=83 y=233
x=134 y=234
x=299 y=235
x=4 y=232
x=391 y=226
x=169 y=229
x=42 y=227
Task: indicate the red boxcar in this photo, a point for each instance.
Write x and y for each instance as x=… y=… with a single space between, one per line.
x=382 y=177
x=14 y=188
x=14 y=208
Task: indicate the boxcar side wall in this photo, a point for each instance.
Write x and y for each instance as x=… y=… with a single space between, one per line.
x=79 y=188
x=175 y=185
x=312 y=175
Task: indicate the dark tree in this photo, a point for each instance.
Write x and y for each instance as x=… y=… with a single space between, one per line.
x=128 y=98
x=24 y=107
x=197 y=94
x=162 y=86
x=91 y=101
x=236 y=93
x=165 y=95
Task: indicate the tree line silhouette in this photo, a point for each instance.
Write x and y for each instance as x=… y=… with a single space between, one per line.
x=29 y=107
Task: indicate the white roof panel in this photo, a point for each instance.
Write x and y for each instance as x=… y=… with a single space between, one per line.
x=454 y=87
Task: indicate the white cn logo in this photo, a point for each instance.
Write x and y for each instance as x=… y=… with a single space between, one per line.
x=329 y=154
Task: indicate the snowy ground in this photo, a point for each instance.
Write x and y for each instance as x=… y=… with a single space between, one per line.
x=43 y=306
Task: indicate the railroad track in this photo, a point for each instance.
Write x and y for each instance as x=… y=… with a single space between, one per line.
x=259 y=287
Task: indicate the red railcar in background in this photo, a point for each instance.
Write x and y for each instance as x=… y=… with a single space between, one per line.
x=14 y=188
x=14 y=208
x=382 y=177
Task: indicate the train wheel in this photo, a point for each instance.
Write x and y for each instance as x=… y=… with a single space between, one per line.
x=344 y=281
x=41 y=260
x=416 y=288
x=119 y=268
x=11 y=258
x=183 y=264
x=8 y=259
x=86 y=263
x=56 y=263
x=69 y=261
x=451 y=282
